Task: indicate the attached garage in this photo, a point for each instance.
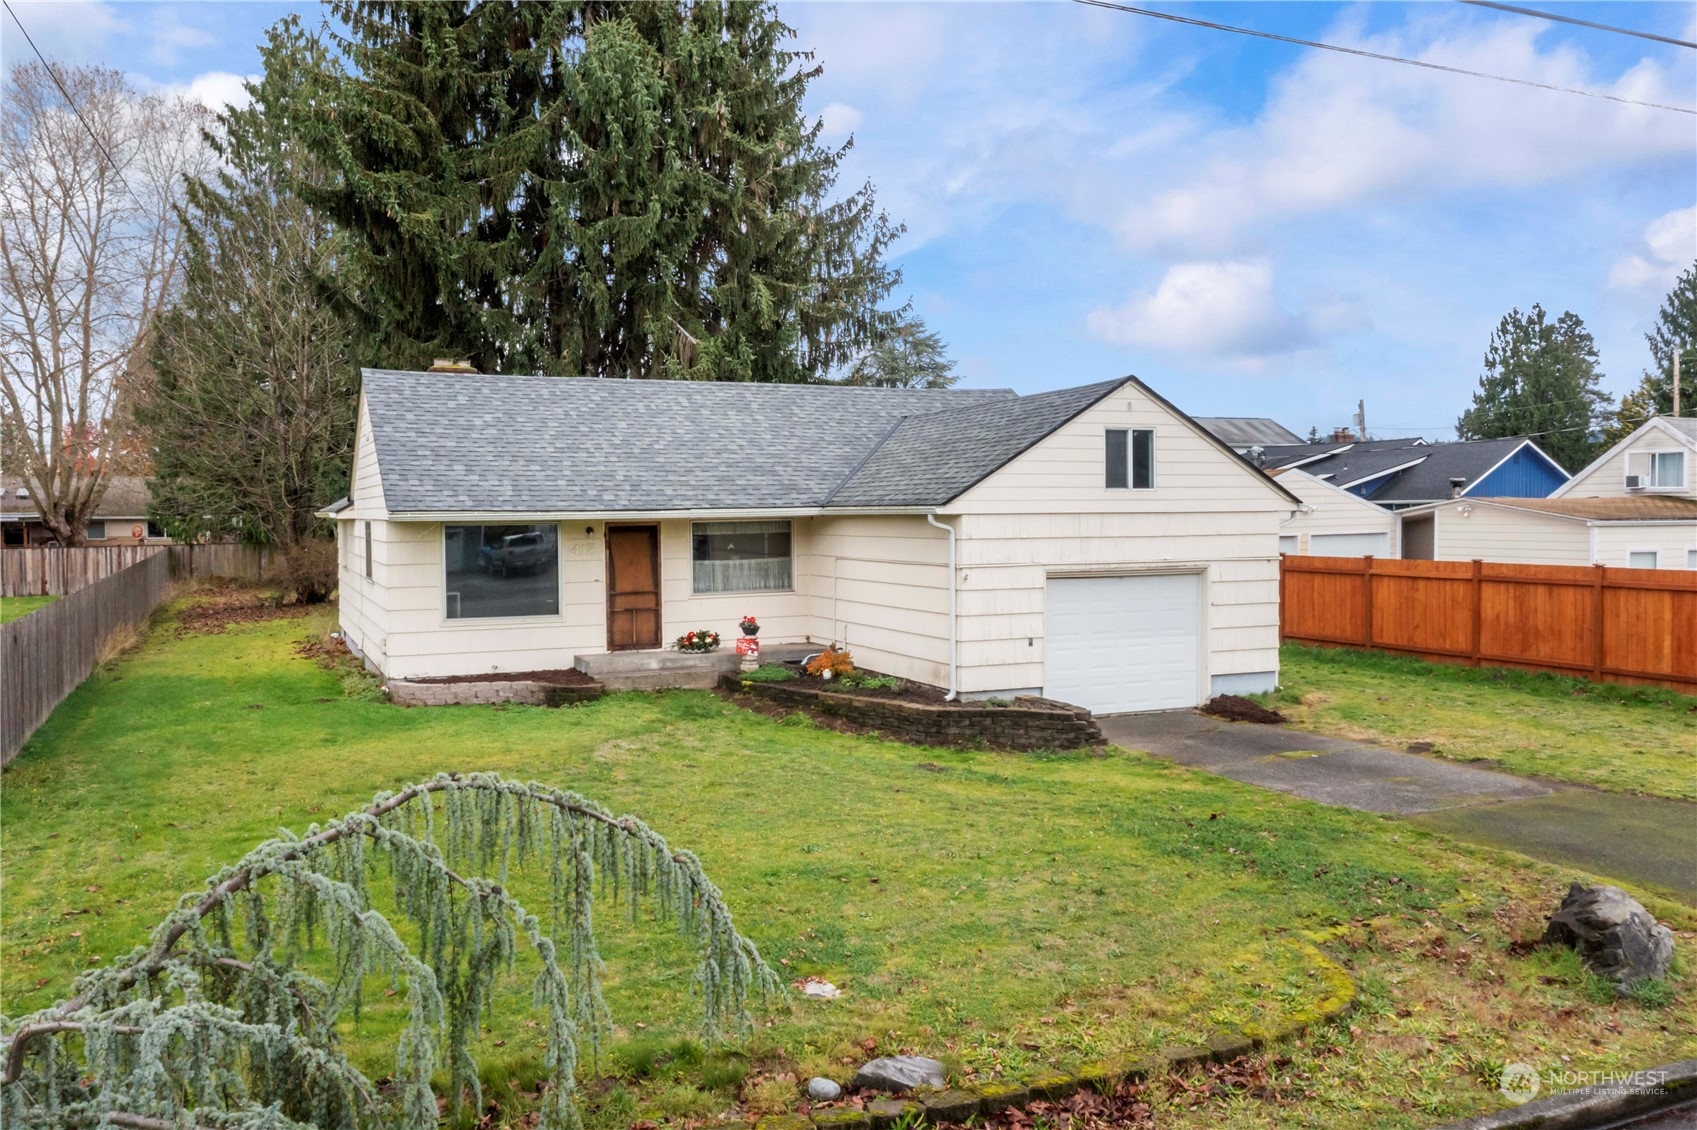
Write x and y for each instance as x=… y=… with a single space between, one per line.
x=1122 y=644
x=1350 y=545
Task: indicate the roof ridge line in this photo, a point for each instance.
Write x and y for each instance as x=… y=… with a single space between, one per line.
x=867 y=458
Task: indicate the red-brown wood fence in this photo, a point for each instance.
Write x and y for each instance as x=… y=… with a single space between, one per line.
x=1597 y=622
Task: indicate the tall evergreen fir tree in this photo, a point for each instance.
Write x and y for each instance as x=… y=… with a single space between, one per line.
x=1675 y=332
x=251 y=417
x=574 y=186
x=1540 y=380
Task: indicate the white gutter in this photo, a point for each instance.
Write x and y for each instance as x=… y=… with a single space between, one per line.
x=514 y=516
x=954 y=636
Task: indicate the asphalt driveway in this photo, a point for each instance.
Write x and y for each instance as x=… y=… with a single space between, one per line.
x=1636 y=840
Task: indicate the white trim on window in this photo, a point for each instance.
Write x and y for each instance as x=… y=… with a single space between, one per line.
x=1649 y=465
x=1654 y=556
x=694 y=580
x=554 y=617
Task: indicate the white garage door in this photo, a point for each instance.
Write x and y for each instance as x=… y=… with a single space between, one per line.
x=1349 y=545
x=1118 y=644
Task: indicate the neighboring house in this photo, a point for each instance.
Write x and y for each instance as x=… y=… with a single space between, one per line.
x=1634 y=507
x=120 y=519
x=1399 y=474
x=1091 y=544
x=1241 y=433
x=1333 y=522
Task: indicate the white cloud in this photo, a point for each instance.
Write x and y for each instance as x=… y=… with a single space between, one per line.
x=1672 y=243
x=1220 y=309
x=217 y=89
x=1340 y=132
x=840 y=121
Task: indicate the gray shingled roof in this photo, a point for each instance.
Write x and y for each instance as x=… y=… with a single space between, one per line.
x=126 y=497
x=928 y=460
x=453 y=443
x=1682 y=424
x=1248 y=431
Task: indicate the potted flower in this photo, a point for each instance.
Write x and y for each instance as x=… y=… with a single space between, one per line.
x=702 y=639
x=750 y=626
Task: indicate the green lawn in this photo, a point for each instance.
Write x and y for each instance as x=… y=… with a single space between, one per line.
x=1621 y=738
x=16 y=607
x=1004 y=911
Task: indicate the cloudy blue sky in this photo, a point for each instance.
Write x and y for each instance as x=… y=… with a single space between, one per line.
x=1252 y=227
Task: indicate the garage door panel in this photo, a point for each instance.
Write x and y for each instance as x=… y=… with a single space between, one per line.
x=1349 y=545
x=1118 y=644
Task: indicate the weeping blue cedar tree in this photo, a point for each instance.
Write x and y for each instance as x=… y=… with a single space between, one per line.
x=575 y=187
x=221 y=1020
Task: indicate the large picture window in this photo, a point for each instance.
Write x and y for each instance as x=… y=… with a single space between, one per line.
x=493 y=571
x=741 y=556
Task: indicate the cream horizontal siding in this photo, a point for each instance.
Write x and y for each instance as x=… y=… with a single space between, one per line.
x=784 y=616
x=880 y=587
x=1336 y=511
x=1048 y=513
x=365 y=484
x=423 y=642
x=1672 y=543
x=1607 y=479
x=1497 y=533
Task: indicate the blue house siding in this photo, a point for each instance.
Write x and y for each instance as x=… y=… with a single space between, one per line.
x=1525 y=474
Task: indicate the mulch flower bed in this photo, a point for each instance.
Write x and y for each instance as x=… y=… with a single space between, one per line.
x=1235 y=709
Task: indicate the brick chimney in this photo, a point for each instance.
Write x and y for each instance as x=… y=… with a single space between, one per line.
x=449 y=365
x=1342 y=435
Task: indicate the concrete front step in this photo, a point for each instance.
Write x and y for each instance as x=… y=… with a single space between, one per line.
x=662 y=669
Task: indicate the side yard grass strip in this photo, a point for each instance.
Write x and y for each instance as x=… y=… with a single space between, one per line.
x=1608 y=736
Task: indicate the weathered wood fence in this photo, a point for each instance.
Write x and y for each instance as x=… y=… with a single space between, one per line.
x=44 y=656
x=1597 y=622
x=220 y=559
x=42 y=570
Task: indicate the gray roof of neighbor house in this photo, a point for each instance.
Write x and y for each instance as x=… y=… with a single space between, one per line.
x=1685 y=424
x=453 y=443
x=1426 y=468
x=1248 y=431
x=126 y=497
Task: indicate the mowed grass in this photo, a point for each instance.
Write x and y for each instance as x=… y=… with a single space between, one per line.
x=1622 y=738
x=17 y=607
x=1006 y=912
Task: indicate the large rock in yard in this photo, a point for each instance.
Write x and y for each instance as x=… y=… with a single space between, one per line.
x=898 y=1073
x=1615 y=936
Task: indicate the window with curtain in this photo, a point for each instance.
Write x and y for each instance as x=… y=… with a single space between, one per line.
x=741 y=556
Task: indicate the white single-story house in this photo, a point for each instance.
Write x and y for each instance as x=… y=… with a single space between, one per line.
x=1092 y=544
x=1333 y=522
x=1635 y=506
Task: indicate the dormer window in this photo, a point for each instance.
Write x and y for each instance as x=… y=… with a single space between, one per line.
x=1663 y=470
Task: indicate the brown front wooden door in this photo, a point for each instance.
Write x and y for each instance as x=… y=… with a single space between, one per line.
x=633 y=587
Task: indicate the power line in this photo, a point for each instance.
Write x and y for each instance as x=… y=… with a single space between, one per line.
x=1533 y=12
x=1375 y=55
x=69 y=101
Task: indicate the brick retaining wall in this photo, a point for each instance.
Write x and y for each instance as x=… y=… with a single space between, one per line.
x=521 y=691
x=1030 y=723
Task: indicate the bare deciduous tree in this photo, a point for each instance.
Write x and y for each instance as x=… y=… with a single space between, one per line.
x=90 y=250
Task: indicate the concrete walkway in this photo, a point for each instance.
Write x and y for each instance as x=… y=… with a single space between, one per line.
x=1622 y=837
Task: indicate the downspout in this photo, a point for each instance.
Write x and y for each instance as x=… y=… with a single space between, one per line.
x=954 y=636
